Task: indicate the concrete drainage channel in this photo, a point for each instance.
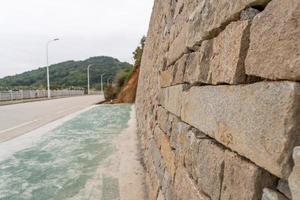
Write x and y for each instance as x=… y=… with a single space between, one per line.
x=91 y=156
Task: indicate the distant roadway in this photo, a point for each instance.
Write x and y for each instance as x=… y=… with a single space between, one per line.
x=18 y=119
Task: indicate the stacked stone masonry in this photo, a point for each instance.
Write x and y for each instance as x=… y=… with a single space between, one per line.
x=218 y=100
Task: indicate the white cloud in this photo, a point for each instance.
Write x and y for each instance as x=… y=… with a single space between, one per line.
x=86 y=28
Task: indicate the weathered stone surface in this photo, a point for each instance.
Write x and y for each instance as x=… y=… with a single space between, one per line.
x=174 y=74
x=272 y=195
x=275 y=48
x=162 y=118
x=177 y=47
x=166 y=151
x=249 y=13
x=166 y=77
x=171 y=98
x=152 y=187
x=205 y=162
x=220 y=60
x=294 y=179
x=185 y=187
x=160 y=196
x=210 y=16
x=179 y=129
x=167 y=187
x=243 y=180
x=178 y=30
x=158 y=162
x=283 y=187
x=246 y=119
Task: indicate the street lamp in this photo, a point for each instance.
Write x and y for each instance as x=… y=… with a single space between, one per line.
x=47 y=57
x=88 y=77
x=102 y=82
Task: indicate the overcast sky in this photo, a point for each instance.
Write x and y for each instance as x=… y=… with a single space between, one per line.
x=86 y=28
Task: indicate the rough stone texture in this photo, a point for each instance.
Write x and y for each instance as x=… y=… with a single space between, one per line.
x=274 y=51
x=249 y=13
x=210 y=16
x=167 y=187
x=174 y=74
x=272 y=195
x=179 y=130
x=220 y=60
x=163 y=119
x=294 y=179
x=166 y=151
x=205 y=162
x=246 y=118
x=178 y=31
x=218 y=141
x=171 y=99
x=160 y=196
x=243 y=180
x=185 y=187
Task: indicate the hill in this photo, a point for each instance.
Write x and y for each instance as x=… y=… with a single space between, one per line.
x=67 y=74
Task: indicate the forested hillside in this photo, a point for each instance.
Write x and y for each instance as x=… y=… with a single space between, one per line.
x=66 y=74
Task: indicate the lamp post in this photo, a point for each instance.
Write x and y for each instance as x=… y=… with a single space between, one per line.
x=47 y=58
x=102 y=82
x=88 y=78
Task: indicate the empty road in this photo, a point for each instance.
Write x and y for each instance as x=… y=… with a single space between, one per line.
x=19 y=119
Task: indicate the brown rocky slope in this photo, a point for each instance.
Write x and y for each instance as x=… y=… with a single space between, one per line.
x=128 y=92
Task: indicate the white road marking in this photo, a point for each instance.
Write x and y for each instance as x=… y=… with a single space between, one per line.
x=19 y=126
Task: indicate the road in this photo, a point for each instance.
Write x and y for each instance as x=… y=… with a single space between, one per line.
x=91 y=155
x=18 y=119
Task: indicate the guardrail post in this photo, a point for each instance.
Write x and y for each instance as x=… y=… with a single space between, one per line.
x=22 y=95
x=11 y=95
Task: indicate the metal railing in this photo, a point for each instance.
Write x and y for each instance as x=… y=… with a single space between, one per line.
x=32 y=94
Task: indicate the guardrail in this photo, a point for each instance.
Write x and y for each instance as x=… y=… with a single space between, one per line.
x=32 y=94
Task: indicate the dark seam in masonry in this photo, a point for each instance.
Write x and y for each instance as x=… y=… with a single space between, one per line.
x=201 y=84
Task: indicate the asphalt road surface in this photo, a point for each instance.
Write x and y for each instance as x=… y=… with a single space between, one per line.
x=18 y=119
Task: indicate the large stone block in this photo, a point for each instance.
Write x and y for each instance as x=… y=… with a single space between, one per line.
x=260 y=121
x=205 y=163
x=171 y=98
x=210 y=16
x=179 y=29
x=158 y=162
x=275 y=48
x=220 y=60
x=243 y=180
x=167 y=187
x=294 y=179
x=174 y=74
x=166 y=151
x=162 y=118
x=179 y=128
x=185 y=187
x=177 y=47
x=152 y=187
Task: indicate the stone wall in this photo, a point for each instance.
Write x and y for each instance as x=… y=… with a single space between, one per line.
x=218 y=100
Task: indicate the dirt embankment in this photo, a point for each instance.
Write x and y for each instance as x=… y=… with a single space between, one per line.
x=128 y=93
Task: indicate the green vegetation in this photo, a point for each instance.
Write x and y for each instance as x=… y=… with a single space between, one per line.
x=70 y=74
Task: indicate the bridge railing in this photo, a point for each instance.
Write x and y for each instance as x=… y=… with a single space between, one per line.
x=32 y=94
